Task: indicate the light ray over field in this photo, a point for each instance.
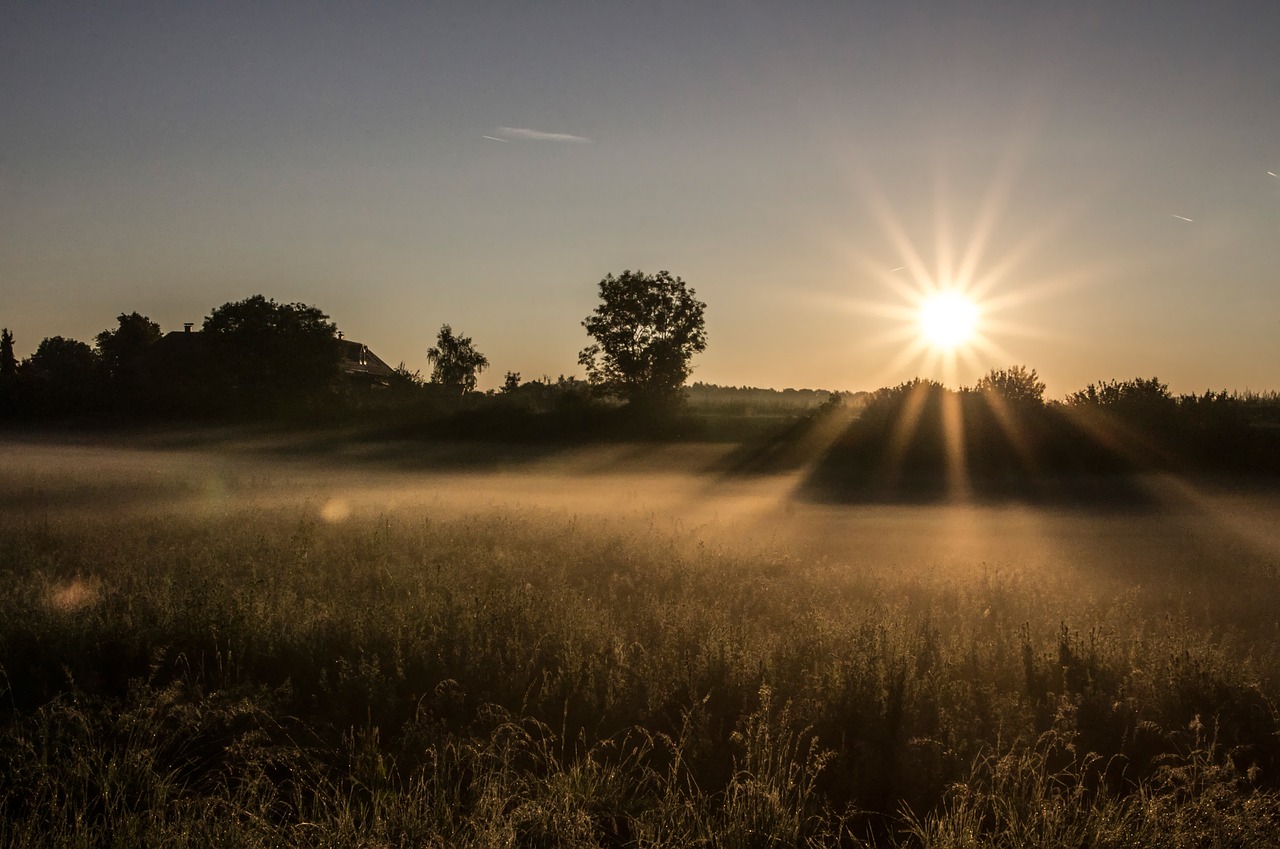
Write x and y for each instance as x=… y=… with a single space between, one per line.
x=1233 y=514
x=958 y=486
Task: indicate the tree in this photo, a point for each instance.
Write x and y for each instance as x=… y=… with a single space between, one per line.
x=124 y=350
x=455 y=361
x=647 y=328
x=61 y=377
x=126 y=354
x=8 y=363
x=8 y=375
x=1139 y=396
x=402 y=377
x=273 y=357
x=1144 y=403
x=1016 y=385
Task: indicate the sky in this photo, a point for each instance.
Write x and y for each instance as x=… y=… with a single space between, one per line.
x=1098 y=176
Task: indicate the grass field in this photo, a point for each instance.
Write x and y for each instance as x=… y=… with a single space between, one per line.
x=621 y=646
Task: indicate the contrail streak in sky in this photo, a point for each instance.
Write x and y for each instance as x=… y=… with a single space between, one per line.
x=538 y=135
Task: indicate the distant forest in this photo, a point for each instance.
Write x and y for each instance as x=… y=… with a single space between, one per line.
x=265 y=362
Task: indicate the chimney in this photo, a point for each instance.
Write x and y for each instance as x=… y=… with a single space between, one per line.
x=187 y=325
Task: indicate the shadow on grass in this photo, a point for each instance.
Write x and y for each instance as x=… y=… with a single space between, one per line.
x=1111 y=492
x=840 y=462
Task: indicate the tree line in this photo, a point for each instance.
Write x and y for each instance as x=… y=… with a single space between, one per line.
x=263 y=360
x=257 y=358
x=1001 y=433
x=252 y=356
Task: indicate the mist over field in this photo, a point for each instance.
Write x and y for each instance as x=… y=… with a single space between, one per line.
x=1176 y=530
x=268 y=639
x=1177 y=545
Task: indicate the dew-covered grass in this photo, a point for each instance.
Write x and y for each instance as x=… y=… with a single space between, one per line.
x=203 y=648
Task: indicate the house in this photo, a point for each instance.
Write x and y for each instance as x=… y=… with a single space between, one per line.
x=363 y=366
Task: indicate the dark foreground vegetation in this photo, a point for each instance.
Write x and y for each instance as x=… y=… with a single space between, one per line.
x=235 y=669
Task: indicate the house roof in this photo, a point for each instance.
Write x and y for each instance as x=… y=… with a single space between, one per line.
x=358 y=359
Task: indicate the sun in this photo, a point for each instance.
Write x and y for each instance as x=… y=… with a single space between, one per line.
x=951 y=298
x=947 y=320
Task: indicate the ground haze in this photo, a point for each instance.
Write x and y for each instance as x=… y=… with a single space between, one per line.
x=278 y=640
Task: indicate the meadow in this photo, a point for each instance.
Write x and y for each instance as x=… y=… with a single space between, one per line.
x=231 y=642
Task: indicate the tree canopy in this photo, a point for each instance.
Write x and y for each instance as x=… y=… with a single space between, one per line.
x=1016 y=385
x=274 y=356
x=647 y=328
x=8 y=362
x=8 y=375
x=124 y=349
x=61 y=377
x=127 y=358
x=455 y=362
x=1139 y=394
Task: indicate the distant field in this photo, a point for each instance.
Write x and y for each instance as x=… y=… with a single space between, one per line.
x=249 y=640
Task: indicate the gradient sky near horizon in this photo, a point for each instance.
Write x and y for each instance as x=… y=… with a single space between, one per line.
x=1102 y=175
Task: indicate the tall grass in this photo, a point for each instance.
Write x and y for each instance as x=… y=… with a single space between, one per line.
x=261 y=676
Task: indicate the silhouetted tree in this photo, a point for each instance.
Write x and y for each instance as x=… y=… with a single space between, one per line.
x=274 y=357
x=401 y=376
x=8 y=375
x=8 y=362
x=62 y=377
x=455 y=361
x=126 y=354
x=1136 y=422
x=124 y=350
x=1120 y=394
x=1016 y=385
x=511 y=382
x=647 y=328
x=1145 y=403
x=1214 y=411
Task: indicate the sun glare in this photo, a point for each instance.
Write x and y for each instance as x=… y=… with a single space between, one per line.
x=950 y=300
x=948 y=320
